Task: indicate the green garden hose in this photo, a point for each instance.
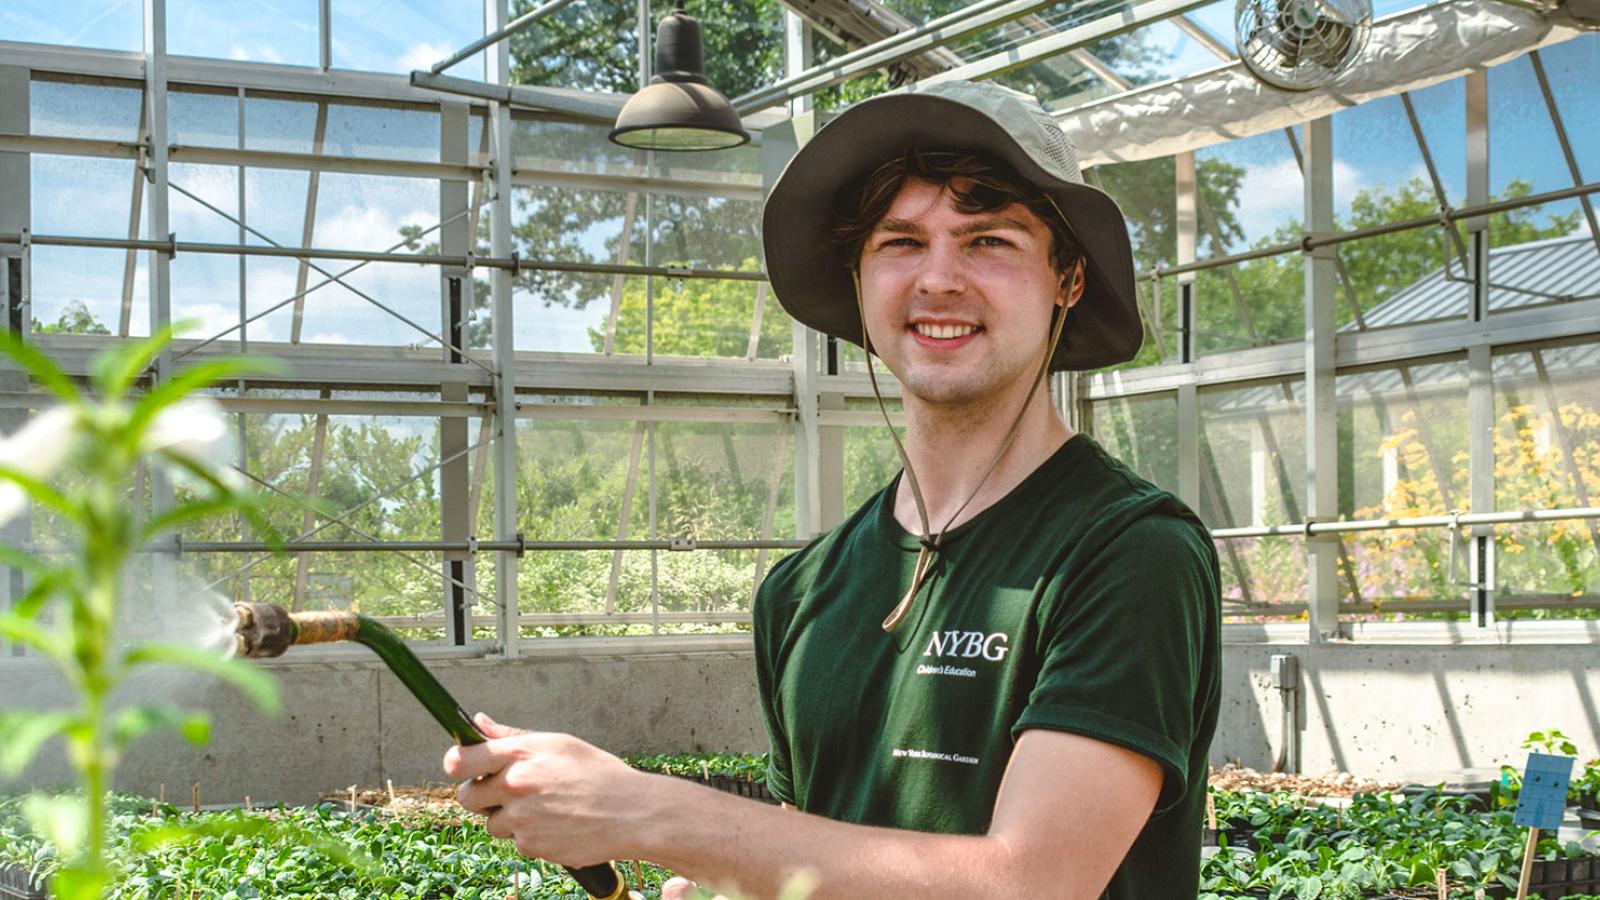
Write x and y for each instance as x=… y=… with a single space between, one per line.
x=265 y=630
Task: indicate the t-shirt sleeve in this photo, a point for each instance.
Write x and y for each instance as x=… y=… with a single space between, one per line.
x=1125 y=646
x=769 y=633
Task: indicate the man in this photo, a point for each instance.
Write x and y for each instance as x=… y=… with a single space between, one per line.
x=1018 y=703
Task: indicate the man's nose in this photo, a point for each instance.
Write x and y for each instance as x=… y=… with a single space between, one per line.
x=943 y=269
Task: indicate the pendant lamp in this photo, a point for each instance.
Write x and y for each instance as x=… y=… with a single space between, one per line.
x=679 y=109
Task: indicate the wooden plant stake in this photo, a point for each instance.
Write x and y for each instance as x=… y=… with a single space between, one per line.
x=352 y=799
x=247 y=806
x=390 y=783
x=163 y=793
x=197 y=798
x=1527 y=863
x=1211 y=811
x=1444 y=884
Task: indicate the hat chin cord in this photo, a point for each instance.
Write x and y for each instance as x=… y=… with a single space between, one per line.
x=931 y=543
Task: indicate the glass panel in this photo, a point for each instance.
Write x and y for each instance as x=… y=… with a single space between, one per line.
x=1253 y=191
x=706 y=582
x=1379 y=177
x=575 y=480
x=1252 y=455
x=1402 y=278
x=569 y=312
x=280 y=124
x=380 y=36
x=1249 y=304
x=1147 y=193
x=573 y=146
x=269 y=31
x=591 y=46
x=717 y=481
x=1402 y=452
x=1547 y=455
x=1142 y=431
x=79 y=290
x=706 y=233
x=706 y=318
x=203 y=119
x=205 y=286
x=382 y=132
x=65 y=109
x=81 y=197
x=870 y=463
x=1570 y=66
x=110 y=25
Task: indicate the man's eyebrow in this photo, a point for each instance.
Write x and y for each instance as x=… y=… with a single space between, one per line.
x=993 y=223
x=897 y=226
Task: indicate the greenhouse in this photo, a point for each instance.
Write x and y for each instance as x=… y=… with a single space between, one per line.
x=371 y=363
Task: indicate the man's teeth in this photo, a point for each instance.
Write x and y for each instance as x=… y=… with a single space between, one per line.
x=944 y=332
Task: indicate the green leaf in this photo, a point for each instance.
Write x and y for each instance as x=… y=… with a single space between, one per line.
x=40 y=366
x=116 y=371
x=23 y=732
x=252 y=682
x=45 y=586
x=80 y=883
x=19 y=559
x=63 y=821
x=192 y=511
x=25 y=631
x=192 y=380
x=136 y=721
x=42 y=494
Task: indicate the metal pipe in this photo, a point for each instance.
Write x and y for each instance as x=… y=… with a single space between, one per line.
x=1311 y=243
x=514 y=546
x=1450 y=520
x=512 y=263
x=512 y=27
x=888 y=51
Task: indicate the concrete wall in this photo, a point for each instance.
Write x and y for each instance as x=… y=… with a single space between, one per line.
x=352 y=722
x=1379 y=709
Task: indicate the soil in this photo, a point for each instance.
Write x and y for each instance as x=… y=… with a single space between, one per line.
x=1232 y=777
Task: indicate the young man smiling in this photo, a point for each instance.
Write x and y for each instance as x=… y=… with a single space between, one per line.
x=1017 y=703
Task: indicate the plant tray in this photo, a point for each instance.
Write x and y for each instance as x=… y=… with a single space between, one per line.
x=755 y=790
x=16 y=883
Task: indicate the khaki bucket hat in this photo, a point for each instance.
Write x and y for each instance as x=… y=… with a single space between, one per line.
x=812 y=278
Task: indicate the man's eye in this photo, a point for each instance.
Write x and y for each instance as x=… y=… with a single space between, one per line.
x=899 y=242
x=989 y=240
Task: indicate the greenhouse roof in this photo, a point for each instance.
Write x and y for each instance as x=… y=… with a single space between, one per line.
x=1558 y=270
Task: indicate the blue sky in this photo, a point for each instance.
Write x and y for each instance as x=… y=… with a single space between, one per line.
x=1373 y=148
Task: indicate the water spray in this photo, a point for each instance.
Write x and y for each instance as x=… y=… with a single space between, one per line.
x=265 y=630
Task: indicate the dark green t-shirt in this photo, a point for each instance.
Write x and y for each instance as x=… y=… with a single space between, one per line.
x=1086 y=600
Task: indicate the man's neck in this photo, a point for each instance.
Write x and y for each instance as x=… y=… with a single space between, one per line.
x=950 y=451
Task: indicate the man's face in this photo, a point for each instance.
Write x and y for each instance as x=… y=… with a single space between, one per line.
x=958 y=304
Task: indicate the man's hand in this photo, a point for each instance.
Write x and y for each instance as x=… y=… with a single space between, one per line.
x=557 y=797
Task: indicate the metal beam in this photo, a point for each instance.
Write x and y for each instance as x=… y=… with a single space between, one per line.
x=1566 y=144
x=585 y=106
x=319 y=134
x=1322 y=445
x=1064 y=41
x=498 y=70
x=1204 y=38
x=514 y=26
x=903 y=45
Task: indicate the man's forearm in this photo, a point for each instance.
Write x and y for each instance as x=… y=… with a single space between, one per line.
x=732 y=843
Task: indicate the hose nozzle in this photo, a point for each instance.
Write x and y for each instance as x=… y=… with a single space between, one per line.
x=266 y=630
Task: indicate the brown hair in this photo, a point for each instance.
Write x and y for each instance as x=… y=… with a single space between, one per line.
x=978 y=183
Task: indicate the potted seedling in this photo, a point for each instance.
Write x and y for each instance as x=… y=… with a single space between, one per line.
x=77 y=460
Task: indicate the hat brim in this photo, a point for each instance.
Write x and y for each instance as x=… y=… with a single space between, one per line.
x=811 y=277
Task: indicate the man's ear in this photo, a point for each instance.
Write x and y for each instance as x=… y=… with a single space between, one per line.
x=1072 y=282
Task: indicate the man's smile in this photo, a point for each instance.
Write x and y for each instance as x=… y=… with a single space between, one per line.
x=943 y=334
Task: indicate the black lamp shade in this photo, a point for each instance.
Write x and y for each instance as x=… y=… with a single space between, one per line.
x=679 y=109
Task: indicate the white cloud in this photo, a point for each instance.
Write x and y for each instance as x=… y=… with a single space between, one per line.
x=1274 y=195
x=423 y=56
x=261 y=53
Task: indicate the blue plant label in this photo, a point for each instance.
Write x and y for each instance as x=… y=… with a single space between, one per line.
x=1543 y=800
